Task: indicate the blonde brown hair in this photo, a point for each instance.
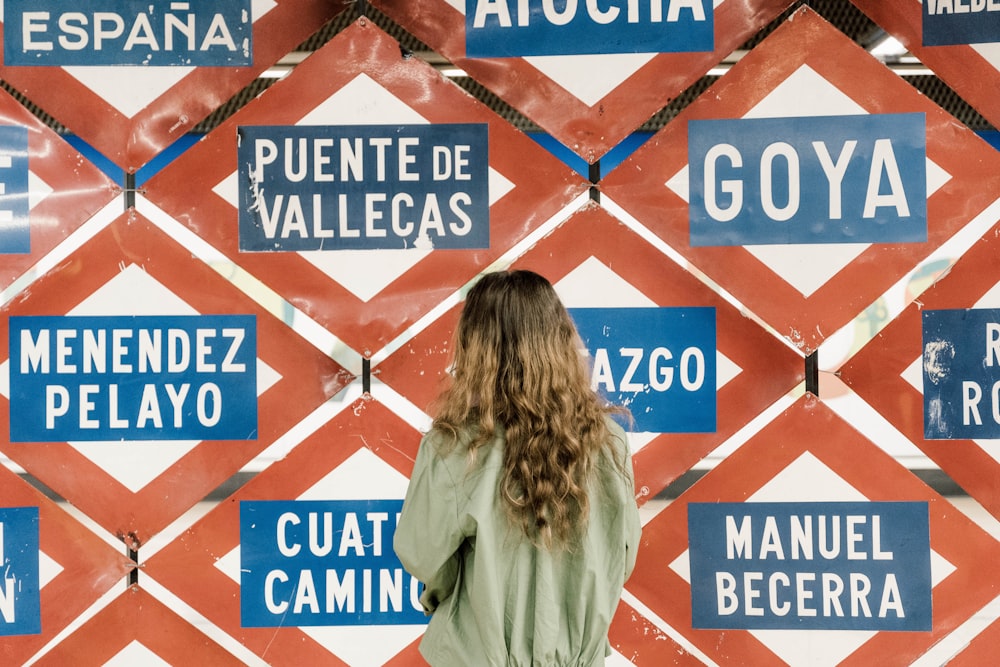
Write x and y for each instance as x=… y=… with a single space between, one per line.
x=518 y=368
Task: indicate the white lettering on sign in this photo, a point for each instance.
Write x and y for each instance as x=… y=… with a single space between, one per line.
x=156 y=352
x=96 y=30
x=155 y=401
x=992 y=340
x=657 y=373
x=347 y=163
x=807 y=538
x=104 y=351
x=939 y=7
x=353 y=160
x=972 y=391
x=813 y=593
x=824 y=536
x=972 y=395
x=320 y=537
x=338 y=590
x=552 y=14
x=286 y=217
x=780 y=161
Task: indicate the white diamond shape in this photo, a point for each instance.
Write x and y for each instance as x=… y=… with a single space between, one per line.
x=362 y=475
x=914 y=373
x=129 y=89
x=135 y=292
x=365 y=645
x=48 y=569
x=805 y=93
x=38 y=189
x=593 y=284
x=809 y=479
x=229 y=564
x=364 y=273
x=589 y=78
x=132 y=88
x=802 y=266
x=135 y=464
x=136 y=654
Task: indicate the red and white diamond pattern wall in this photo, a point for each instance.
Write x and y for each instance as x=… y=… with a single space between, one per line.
x=205 y=434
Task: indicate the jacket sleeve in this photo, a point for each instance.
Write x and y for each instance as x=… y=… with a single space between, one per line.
x=633 y=527
x=428 y=535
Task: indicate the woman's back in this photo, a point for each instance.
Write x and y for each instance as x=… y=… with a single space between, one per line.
x=498 y=598
x=520 y=517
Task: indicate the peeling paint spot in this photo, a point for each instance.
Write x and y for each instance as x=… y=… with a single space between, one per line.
x=938 y=355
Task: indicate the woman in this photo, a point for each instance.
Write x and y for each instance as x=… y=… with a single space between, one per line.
x=520 y=518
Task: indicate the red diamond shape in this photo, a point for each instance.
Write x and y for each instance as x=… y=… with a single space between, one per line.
x=878 y=372
x=130 y=138
x=306 y=378
x=768 y=368
x=810 y=433
x=137 y=618
x=822 y=71
x=71 y=189
x=188 y=565
x=966 y=69
x=394 y=87
x=90 y=567
x=588 y=125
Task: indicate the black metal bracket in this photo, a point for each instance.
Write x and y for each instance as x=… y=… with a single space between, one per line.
x=812 y=373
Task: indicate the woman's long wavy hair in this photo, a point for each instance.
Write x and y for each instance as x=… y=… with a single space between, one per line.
x=518 y=367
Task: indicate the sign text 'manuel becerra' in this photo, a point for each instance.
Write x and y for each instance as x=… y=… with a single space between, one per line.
x=802 y=566
x=99 y=378
x=363 y=187
x=323 y=562
x=56 y=33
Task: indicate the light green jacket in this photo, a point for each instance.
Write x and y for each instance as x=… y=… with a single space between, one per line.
x=496 y=600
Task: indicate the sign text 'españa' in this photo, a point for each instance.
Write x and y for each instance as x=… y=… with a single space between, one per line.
x=660 y=363
x=212 y=33
x=98 y=378
x=323 y=562
x=363 y=187
x=20 y=607
x=829 y=179
x=961 y=373
x=511 y=28
x=810 y=566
